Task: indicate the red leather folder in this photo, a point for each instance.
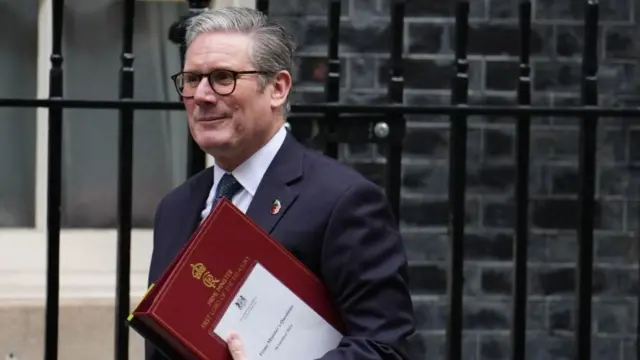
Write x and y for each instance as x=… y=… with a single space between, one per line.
x=180 y=310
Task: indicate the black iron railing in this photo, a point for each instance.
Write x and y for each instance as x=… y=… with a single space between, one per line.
x=339 y=123
x=523 y=132
x=125 y=185
x=197 y=158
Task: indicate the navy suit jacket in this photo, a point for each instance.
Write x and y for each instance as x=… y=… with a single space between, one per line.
x=337 y=223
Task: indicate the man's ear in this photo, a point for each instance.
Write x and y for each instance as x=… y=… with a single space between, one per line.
x=281 y=86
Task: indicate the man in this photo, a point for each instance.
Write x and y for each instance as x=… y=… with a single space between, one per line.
x=235 y=86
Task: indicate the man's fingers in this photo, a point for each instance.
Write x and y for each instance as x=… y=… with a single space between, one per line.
x=235 y=347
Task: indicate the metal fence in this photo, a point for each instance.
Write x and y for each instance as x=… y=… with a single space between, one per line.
x=339 y=123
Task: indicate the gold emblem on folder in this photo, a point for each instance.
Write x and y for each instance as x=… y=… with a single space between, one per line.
x=199 y=271
x=209 y=280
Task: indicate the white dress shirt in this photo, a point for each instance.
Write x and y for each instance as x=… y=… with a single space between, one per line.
x=249 y=174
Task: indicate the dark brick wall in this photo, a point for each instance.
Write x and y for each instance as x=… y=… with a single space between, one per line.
x=556 y=51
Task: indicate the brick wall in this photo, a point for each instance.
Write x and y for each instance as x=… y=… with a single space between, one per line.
x=493 y=46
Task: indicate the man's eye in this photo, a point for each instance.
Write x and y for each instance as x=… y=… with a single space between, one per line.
x=191 y=78
x=222 y=77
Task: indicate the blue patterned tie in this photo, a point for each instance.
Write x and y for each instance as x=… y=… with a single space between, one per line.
x=227 y=187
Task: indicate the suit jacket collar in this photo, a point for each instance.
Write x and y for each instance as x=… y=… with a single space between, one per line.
x=275 y=193
x=198 y=191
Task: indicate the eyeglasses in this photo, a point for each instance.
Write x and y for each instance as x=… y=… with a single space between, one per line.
x=222 y=81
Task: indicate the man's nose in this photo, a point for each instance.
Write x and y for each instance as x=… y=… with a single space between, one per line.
x=204 y=92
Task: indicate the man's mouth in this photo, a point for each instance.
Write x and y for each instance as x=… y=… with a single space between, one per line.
x=211 y=118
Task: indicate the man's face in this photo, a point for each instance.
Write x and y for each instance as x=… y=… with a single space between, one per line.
x=224 y=125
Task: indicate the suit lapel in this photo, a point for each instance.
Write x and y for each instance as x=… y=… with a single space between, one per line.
x=285 y=169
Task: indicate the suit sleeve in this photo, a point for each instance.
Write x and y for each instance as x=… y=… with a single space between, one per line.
x=157 y=223
x=364 y=265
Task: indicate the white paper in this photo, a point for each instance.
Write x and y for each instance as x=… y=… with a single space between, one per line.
x=273 y=323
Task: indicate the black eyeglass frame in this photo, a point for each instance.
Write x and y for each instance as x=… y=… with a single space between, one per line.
x=235 y=74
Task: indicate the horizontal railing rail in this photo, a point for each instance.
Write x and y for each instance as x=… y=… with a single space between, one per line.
x=336 y=108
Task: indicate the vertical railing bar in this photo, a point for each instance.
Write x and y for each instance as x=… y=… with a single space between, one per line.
x=523 y=129
x=263 y=6
x=457 y=185
x=125 y=187
x=54 y=186
x=586 y=187
x=332 y=81
x=393 y=169
x=196 y=157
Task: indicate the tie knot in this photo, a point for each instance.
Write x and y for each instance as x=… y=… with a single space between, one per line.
x=227 y=187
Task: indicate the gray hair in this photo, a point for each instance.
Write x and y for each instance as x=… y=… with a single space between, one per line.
x=272 y=48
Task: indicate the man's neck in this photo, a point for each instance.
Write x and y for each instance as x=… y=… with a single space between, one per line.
x=230 y=163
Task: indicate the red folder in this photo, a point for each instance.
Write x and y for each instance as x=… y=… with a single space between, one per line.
x=180 y=310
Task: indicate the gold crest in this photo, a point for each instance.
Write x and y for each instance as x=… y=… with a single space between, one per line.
x=197 y=270
x=209 y=280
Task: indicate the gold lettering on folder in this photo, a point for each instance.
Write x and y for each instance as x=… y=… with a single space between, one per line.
x=221 y=287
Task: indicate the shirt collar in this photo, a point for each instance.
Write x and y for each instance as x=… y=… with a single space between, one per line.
x=250 y=173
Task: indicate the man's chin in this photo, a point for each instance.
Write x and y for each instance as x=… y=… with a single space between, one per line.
x=213 y=145
x=213 y=123
x=213 y=136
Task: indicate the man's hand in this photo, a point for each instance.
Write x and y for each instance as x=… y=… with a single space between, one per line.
x=235 y=347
